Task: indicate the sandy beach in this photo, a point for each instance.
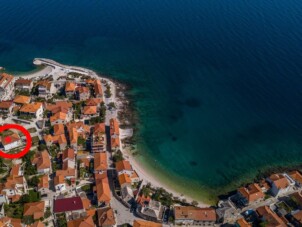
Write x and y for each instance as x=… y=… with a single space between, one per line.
x=42 y=72
x=156 y=182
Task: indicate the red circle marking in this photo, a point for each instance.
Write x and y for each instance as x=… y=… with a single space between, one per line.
x=28 y=141
x=7 y=139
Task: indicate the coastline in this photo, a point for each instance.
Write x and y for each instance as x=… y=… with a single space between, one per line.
x=141 y=163
x=142 y=170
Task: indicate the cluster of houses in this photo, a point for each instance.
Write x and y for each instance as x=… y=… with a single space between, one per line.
x=68 y=142
x=274 y=201
x=73 y=150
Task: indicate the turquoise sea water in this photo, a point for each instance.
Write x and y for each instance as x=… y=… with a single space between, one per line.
x=217 y=84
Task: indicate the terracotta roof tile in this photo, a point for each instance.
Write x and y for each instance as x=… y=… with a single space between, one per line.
x=142 y=223
x=42 y=160
x=114 y=127
x=34 y=209
x=5 y=79
x=103 y=190
x=270 y=217
x=100 y=161
x=123 y=165
x=243 y=223
x=195 y=213
x=124 y=179
x=82 y=222
x=68 y=153
x=31 y=107
x=58 y=116
x=279 y=180
x=22 y=81
x=5 y=104
x=58 y=129
x=105 y=217
x=13 y=138
x=59 y=180
x=44 y=182
x=21 y=99
x=296 y=176
x=252 y=192
x=93 y=101
x=98 y=88
x=70 y=86
x=89 y=110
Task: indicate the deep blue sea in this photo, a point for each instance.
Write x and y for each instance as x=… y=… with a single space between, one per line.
x=217 y=84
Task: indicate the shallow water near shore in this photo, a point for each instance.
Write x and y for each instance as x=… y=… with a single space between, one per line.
x=216 y=84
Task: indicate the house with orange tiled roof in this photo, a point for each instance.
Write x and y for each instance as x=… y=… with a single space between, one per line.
x=100 y=162
x=58 y=118
x=98 y=139
x=58 y=129
x=37 y=224
x=114 y=133
x=189 y=215
x=68 y=159
x=82 y=222
x=59 y=183
x=102 y=189
x=143 y=223
x=82 y=129
x=98 y=89
x=15 y=187
x=124 y=167
x=36 y=210
x=32 y=109
x=73 y=138
x=82 y=93
x=90 y=81
x=44 y=88
x=106 y=217
x=297 y=218
x=59 y=106
x=43 y=185
x=23 y=84
x=124 y=180
x=115 y=143
x=89 y=111
x=70 y=88
x=280 y=184
x=6 y=107
x=6 y=84
x=242 y=223
x=251 y=194
x=94 y=102
x=296 y=176
x=114 y=127
x=10 y=222
x=42 y=162
x=10 y=142
x=76 y=130
x=58 y=139
x=21 y=99
x=17 y=170
x=68 y=173
x=269 y=217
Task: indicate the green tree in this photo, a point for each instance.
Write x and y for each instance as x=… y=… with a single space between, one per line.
x=34 y=181
x=28 y=220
